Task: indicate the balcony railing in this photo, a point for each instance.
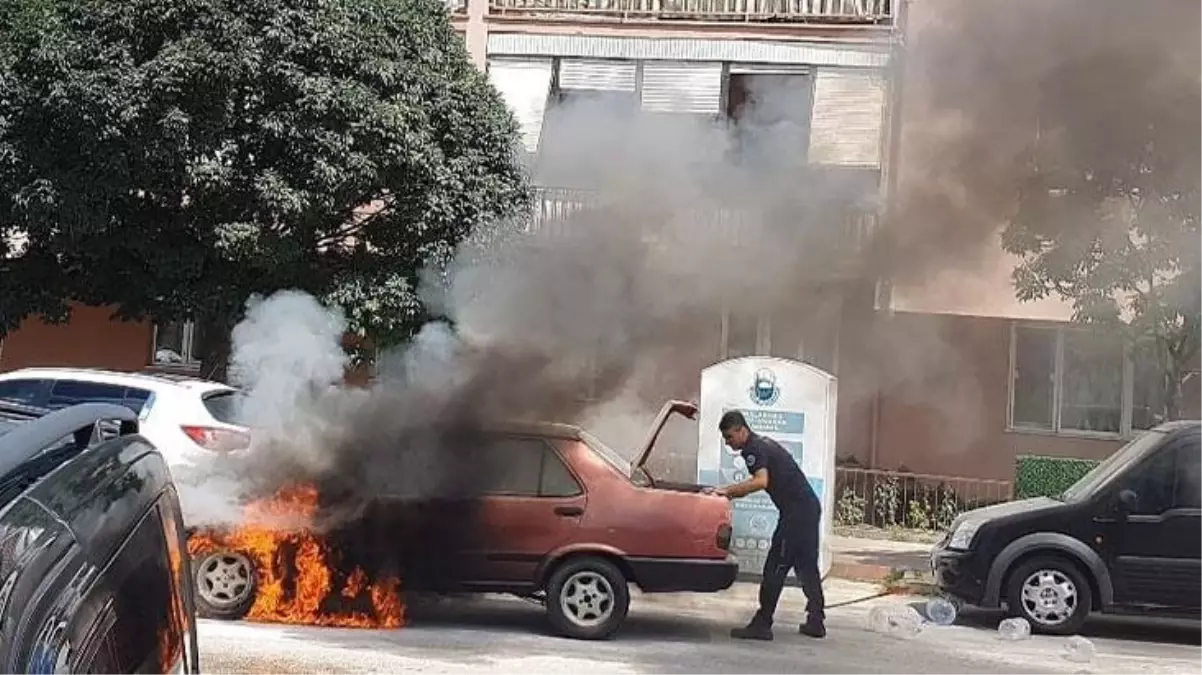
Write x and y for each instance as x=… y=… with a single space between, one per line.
x=558 y=210
x=781 y=11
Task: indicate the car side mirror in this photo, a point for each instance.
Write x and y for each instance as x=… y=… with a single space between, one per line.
x=1128 y=501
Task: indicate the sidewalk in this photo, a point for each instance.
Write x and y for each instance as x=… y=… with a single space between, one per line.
x=879 y=560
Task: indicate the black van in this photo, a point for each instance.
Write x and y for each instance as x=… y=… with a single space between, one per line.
x=1126 y=538
x=94 y=572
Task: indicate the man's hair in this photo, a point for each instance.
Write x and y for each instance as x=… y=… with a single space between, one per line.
x=732 y=419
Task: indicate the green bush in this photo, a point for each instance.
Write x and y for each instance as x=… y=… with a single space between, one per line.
x=1038 y=476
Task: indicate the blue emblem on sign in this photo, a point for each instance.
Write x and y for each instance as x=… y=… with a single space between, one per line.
x=764 y=390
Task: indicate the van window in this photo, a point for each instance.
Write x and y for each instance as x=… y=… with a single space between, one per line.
x=1101 y=474
x=1169 y=480
x=146 y=631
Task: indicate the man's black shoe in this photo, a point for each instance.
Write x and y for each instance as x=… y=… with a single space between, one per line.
x=814 y=630
x=752 y=632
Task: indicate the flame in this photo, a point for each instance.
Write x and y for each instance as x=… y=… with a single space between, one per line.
x=294 y=578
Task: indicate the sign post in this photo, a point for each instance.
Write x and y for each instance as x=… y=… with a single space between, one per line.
x=790 y=402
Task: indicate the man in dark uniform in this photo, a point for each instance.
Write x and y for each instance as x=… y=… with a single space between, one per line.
x=795 y=542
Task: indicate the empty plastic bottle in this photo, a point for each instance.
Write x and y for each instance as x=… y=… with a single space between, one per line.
x=905 y=622
x=878 y=619
x=941 y=611
x=1079 y=650
x=1014 y=629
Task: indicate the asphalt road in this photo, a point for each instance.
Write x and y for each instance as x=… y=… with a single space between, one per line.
x=683 y=634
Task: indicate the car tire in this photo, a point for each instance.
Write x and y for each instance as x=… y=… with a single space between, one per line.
x=225 y=584
x=587 y=598
x=1051 y=593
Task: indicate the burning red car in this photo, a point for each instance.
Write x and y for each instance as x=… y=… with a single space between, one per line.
x=569 y=522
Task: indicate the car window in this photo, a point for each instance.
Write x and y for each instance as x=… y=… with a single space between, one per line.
x=146 y=629
x=1122 y=458
x=136 y=398
x=73 y=392
x=223 y=405
x=22 y=391
x=556 y=480
x=520 y=465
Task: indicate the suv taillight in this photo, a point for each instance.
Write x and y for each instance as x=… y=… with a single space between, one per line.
x=723 y=538
x=217 y=440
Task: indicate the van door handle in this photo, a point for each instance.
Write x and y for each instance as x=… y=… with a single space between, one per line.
x=569 y=511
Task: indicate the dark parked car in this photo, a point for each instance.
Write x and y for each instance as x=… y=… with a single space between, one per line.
x=94 y=575
x=1126 y=538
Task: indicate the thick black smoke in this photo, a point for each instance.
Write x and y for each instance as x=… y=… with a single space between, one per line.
x=620 y=304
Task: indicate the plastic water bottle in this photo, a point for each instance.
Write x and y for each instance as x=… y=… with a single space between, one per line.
x=941 y=612
x=878 y=619
x=1014 y=630
x=905 y=622
x=1079 y=650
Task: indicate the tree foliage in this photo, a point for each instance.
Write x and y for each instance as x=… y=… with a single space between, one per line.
x=172 y=157
x=1109 y=217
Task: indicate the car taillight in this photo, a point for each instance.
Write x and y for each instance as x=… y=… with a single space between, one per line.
x=218 y=440
x=723 y=538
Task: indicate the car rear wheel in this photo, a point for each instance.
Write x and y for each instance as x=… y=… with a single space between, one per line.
x=587 y=598
x=225 y=585
x=1051 y=594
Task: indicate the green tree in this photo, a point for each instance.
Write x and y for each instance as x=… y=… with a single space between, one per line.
x=172 y=157
x=1108 y=219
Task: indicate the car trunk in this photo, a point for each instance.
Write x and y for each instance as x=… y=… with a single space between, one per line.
x=676 y=487
x=685 y=409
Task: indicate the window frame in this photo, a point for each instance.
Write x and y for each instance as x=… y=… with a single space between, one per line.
x=191 y=361
x=1126 y=399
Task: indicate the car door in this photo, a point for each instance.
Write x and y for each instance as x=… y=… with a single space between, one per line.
x=533 y=507
x=1158 y=559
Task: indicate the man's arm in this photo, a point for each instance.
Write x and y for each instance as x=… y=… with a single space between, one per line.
x=757 y=482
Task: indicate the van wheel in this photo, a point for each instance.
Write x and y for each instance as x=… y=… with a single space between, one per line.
x=587 y=598
x=1051 y=594
x=225 y=585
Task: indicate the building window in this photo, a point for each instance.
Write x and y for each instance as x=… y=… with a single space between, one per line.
x=1077 y=381
x=177 y=344
x=743 y=334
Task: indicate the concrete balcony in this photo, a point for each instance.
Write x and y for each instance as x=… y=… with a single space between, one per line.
x=869 y=12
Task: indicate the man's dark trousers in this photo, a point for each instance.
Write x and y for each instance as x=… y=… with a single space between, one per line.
x=794 y=546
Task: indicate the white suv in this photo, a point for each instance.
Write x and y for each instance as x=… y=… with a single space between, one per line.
x=190 y=421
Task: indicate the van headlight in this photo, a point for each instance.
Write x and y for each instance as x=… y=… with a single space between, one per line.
x=963 y=535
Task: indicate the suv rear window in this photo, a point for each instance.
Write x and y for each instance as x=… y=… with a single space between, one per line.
x=223 y=405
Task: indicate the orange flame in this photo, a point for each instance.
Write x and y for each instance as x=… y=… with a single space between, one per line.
x=297 y=589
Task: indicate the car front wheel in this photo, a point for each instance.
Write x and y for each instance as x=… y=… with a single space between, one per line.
x=1051 y=594
x=587 y=598
x=225 y=585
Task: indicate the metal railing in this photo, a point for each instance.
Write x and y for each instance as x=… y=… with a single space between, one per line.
x=557 y=210
x=790 y=11
x=915 y=501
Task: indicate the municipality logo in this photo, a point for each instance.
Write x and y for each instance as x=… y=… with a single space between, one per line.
x=764 y=390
